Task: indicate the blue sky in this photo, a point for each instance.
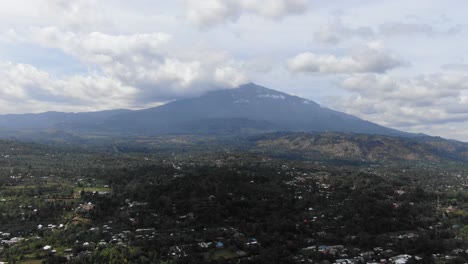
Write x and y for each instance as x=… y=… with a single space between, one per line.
x=397 y=63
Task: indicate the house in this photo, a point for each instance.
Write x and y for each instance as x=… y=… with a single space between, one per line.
x=400 y=259
x=204 y=245
x=85 y=208
x=343 y=261
x=12 y=241
x=252 y=242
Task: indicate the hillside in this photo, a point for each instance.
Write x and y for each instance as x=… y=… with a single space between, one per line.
x=365 y=147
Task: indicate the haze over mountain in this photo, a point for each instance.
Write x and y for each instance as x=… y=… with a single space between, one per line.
x=249 y=108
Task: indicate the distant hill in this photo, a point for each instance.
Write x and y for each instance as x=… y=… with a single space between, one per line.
x=364 y=147
x=54 y=119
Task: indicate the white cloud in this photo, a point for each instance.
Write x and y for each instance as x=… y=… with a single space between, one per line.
x=209 y=13
x=367 y=59
x=275 y=9
x=336 y=31
x=35 y=90
x=229 y=75
x=96 y=47
x=212 y=12
x=407 y=103
x=9 y=36
x=77 y=15
x=414 y=91
x=150 y=62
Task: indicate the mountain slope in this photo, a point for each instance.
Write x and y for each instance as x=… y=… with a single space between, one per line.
x=248 y=108
x=54 y=119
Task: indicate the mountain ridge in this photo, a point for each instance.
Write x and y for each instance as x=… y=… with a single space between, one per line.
x=251 y=102
x=250 y=108
x=364 y=147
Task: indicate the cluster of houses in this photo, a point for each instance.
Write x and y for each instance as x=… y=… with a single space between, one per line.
x=377 y=255
x=344 y=255
x=6 y=239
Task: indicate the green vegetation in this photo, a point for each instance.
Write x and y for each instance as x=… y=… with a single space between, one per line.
x=230 y=205
x=223 y=254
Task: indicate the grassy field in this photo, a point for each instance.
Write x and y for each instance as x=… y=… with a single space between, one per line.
x=34 y=186
x=31 y=261
x=224 y=254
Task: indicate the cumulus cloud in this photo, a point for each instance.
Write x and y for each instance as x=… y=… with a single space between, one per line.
x=416 y=91
x=152 y=65
x=336 y=31
x=372 y=58
x=30 y=88
x=77 y=15
x=407 y=103
x=149 y=62
x=96 y=47
x=209 y=13
x=230 y=76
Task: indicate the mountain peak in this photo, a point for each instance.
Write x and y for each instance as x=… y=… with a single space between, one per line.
x=252 y=86
x=251 y=92
x=255 y=87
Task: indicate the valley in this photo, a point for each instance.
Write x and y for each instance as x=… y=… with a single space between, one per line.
x=229 y=204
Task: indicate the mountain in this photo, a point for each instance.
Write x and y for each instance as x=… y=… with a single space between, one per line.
x=248 y=109
x=250 y=116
